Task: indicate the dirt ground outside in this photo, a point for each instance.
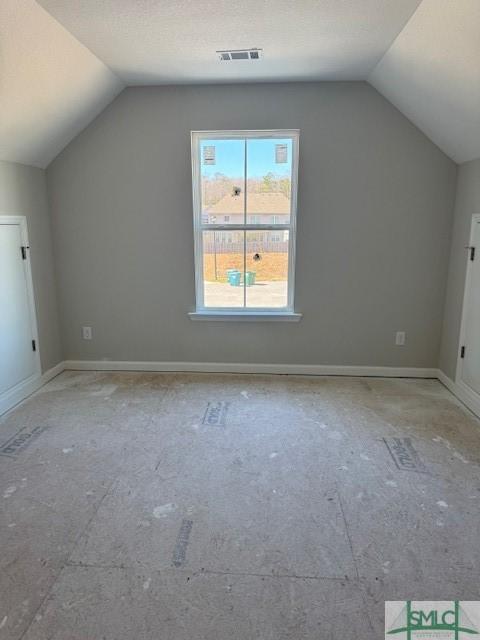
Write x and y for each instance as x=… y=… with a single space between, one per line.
x=272 y=267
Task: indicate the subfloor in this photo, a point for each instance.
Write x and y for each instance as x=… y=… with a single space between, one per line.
x=133 y=509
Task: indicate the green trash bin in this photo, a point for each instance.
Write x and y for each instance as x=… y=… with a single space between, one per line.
x=250 y=278
x=232 y=276
x=234 y=279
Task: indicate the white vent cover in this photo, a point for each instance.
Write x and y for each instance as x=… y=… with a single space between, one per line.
x=240 y=54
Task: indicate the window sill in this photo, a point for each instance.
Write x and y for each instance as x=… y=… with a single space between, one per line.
x=246 y=316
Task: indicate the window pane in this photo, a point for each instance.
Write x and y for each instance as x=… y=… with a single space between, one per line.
x=266 y=275
x=269 y=177
x=223 y=281
x=222 y=172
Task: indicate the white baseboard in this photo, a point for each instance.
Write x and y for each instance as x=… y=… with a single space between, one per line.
x=469 y=398
x=461 y=391
x=236 y=367
x=11 y=398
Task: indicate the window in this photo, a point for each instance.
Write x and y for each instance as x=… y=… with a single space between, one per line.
x=248 y=181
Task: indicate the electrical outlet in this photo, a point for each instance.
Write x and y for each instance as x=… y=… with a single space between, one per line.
x=87 y=333
x=400 y=338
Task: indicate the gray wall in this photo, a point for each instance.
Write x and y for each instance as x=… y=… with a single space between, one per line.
x=23 y=192
x=375 y=205
x=467 y=203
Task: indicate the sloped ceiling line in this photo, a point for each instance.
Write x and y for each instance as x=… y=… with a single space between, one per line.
x=62 y=62
x=51 y=85
x=431 y=73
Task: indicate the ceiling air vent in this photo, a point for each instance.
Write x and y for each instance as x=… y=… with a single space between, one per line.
x=240 y=54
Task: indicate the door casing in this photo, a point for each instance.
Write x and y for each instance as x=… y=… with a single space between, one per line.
x=468 y=282
x=14 y=391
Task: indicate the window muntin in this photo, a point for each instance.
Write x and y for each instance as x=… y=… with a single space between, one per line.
x=244 y=246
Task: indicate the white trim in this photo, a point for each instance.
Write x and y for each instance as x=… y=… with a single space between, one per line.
x=459 y=388
x=227 y=134
x=245 y=227
x=466 y=290
x=461 y=391
x=468 y=396
x=217 y=367
x=199 y=227
x=21 y=221
x=25 y=388
x=244 y=367
x=245 y=316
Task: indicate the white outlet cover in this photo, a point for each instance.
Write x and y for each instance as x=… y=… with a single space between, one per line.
x=87 y=333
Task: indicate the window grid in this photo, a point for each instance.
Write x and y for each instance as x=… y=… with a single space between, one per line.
x=201 y=223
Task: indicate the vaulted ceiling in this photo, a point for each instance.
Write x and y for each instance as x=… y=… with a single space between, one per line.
x=63 y=61
x=51 y=86
x=432 y=74
x=170 y=41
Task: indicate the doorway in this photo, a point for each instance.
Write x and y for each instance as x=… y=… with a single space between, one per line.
x=19 y=348
x=468 y=368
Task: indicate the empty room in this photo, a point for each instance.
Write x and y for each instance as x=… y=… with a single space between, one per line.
x=239 y=319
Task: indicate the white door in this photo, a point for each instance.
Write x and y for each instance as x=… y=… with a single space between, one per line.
x=18 y=340
x=470 y=344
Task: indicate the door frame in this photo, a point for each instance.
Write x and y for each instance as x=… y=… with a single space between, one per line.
x=473 y=395
x=19 y=391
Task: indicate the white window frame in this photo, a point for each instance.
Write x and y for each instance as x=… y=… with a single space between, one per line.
x=260 y=313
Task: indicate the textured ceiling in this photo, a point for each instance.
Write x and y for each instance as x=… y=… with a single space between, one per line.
x=422 y=56
x=51 y=86
x=166 y=41
x=432 y=74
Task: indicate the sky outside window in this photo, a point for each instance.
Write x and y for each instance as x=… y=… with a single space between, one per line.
x=229 y=157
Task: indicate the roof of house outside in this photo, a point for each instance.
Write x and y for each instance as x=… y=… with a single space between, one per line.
x=256 y=203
